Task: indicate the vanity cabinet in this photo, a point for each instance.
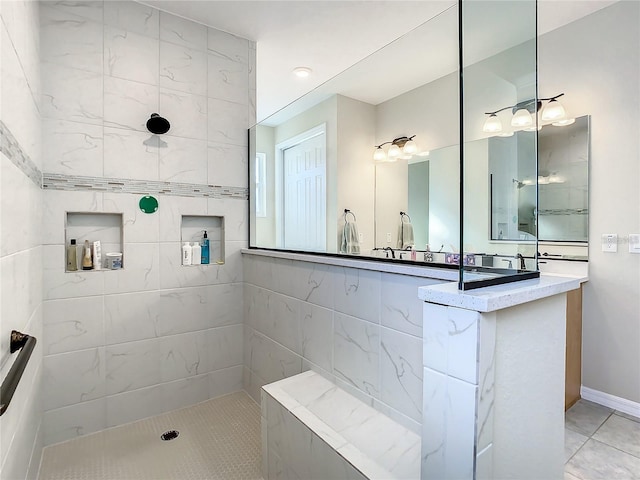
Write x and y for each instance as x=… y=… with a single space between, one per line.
x=573 y=365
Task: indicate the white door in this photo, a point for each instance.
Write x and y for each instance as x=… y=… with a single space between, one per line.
x=305 y=217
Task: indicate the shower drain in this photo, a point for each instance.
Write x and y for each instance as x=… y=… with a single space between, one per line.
x=169 y=435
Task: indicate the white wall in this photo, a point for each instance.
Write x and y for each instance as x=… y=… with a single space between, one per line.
x=429 y=112
x=154 y=336
x=444 y=200
x=356 y=170
x=595 y=61
x=20 y=242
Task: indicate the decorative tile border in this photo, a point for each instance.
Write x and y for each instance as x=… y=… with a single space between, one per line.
x=53 y=181
x=13 y=151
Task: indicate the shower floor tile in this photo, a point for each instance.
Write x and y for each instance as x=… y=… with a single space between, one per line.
x=218 y=439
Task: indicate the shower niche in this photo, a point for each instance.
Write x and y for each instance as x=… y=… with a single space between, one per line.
x=105 y=228
x=192 y=230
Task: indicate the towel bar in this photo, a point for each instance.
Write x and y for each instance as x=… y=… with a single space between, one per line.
x=24 y=343
x=346 y=212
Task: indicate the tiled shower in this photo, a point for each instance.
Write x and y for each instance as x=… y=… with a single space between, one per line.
x=155 y=336
x=79 y=81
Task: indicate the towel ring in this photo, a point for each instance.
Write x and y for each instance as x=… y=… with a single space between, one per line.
x=402 y=215
x=346 y=212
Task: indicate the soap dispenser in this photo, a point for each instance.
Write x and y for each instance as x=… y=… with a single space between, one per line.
x=205 y=249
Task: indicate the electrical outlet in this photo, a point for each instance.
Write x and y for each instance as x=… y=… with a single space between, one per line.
x=610 y=242
x=360 y=237
x=388 y=237
x=634 y=243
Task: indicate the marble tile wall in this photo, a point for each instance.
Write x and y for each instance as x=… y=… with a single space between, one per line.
x=154 y=336
x=359 y=328
x=458 y=392
x=20 y=245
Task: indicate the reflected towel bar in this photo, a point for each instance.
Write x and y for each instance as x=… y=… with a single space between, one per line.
x=346 y=212
x=24 y=343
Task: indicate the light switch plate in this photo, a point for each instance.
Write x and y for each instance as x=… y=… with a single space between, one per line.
x=610 y=242
x=634 y=243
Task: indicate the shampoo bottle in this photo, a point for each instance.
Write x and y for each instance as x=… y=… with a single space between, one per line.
x=195 y=253
x=205 y=249
x=97 y=255
x=72 y=256
x=87 y=264
x=186 y=254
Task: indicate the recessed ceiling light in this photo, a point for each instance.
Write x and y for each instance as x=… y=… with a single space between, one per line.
x=302 y=72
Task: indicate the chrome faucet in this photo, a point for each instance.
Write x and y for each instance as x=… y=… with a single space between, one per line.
x=523 y=265
x=389 y=249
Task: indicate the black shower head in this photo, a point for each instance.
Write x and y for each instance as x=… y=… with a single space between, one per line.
x=157 y=124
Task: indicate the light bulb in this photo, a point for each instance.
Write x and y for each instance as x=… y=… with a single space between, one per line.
x=522 y=118
x=492 y=124
x=564 y=122
x=410 y=148
x=379 y=155
x=394 y=151
x=553 y=111
x=302 y=72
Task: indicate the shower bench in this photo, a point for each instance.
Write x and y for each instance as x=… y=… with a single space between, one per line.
x=312 y=429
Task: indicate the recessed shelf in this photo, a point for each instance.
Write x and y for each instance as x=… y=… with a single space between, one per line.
x=93 y=226
x=192 y=230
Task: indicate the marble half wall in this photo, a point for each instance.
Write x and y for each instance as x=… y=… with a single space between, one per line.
x=361 y=329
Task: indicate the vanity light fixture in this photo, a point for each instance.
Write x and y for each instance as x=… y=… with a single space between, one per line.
x=401 y=147
x=302 y=72
x=553 y=112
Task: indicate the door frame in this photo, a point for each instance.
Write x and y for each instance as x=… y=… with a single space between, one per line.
x=279 y=173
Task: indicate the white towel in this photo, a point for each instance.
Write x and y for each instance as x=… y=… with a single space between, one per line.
x=350 y=242
x=405 y=235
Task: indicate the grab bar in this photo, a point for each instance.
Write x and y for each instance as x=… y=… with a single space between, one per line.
x=24 y=343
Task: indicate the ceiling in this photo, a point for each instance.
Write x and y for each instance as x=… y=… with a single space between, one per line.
x=330 y=36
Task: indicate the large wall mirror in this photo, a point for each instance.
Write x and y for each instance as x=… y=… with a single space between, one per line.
x=315 y=186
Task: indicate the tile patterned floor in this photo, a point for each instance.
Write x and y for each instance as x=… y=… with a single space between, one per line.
x=601 y=444
x=218 y=439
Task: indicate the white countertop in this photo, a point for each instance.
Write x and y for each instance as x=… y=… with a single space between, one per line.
x=497 y=297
